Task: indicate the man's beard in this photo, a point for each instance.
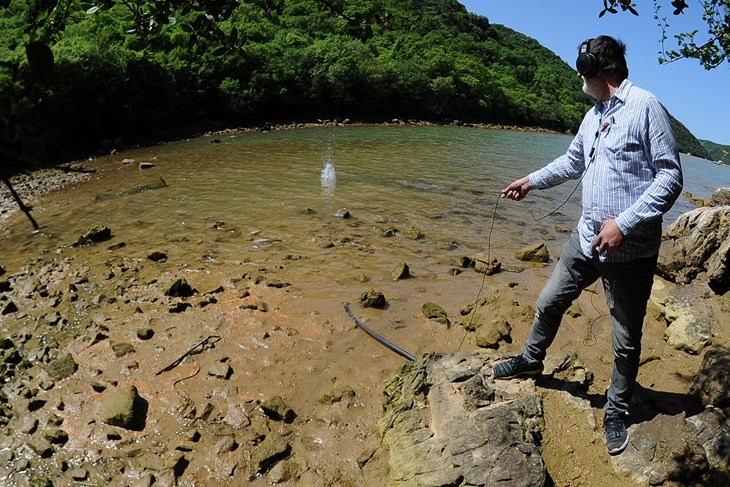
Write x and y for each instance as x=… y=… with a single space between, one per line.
x=587 y=88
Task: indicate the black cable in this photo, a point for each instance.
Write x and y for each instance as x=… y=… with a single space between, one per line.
x=383 y=341
x=484 y=276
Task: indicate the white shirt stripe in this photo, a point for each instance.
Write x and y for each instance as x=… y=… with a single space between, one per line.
x=626 y=153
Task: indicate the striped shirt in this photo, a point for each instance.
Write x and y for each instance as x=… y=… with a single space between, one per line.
x=626 y=153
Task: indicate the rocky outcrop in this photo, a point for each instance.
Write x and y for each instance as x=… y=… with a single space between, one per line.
x=447 y=422
x=711 y=385
x=674 y=450
x=720 y=197
x=698 y=241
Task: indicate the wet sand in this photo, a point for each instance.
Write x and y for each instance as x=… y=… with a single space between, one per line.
x=311 y=355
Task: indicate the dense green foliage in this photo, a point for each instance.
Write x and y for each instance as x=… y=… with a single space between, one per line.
x=423 y=59
x=717 y=152
x=429 y=60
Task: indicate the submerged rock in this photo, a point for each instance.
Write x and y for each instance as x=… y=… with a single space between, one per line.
x=94 y=235
x=485 y=264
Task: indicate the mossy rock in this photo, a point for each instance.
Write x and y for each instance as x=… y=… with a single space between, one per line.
x=574 y=311
x=62 y=367
x=496 y=331
x=533 y=253
x=436 y=313
x=372 y=299
x=401 y=271
x=414 y=233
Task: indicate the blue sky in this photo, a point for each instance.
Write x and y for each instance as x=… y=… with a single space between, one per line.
x=696 y=97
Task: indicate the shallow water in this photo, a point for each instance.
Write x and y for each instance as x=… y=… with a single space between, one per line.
x=266 y=203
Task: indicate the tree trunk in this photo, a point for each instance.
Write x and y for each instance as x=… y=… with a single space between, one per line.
x=19 y=201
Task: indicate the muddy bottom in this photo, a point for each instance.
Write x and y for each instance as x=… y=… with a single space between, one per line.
x=270 y=327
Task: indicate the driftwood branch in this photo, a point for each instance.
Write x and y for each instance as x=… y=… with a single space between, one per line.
x=200 y=345
x=19 y=201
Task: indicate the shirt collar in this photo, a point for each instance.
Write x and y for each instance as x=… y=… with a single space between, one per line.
x=619 y=96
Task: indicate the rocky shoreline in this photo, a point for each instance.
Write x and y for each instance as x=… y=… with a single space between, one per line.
x=128 y=371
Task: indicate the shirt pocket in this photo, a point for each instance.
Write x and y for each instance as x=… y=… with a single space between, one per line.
x=622 y=145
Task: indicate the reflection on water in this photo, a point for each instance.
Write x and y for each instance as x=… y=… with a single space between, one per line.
x=255 y=191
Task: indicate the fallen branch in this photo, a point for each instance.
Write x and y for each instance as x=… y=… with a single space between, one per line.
x=21 y=205
x=201 y=344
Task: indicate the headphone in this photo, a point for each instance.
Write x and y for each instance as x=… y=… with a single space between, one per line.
x=587 y=64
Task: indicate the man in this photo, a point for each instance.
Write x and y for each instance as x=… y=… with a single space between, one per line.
x=628 y=160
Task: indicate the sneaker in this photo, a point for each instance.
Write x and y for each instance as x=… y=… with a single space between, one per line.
x=517 y=367
x=616 y=435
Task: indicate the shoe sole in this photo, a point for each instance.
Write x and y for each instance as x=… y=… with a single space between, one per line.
x=621 y=448
x=531 y=373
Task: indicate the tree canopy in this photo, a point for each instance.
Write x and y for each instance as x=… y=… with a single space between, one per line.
x=709 y=49
x=77 y=76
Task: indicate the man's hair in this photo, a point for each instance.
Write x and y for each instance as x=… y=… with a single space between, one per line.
x=611 y=56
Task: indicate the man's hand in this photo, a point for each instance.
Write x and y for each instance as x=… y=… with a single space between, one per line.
x=609 y=238
x=518 y=189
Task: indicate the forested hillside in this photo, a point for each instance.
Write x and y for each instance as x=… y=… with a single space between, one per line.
x=688 y=143
x=423 y=59
x=717 y=152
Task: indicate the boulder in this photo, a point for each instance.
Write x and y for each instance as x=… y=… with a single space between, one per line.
x=124 y=408
x=567 y=366
x=711 y=385
x=686 y=333
x=698 y=241
x=447 y=422
x=674 y=450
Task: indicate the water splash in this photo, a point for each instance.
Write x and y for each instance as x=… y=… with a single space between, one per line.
x=329 y=176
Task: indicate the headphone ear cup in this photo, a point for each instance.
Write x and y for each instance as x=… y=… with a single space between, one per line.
x=586 y=64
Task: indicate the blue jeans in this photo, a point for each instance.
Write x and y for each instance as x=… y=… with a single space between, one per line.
x=627 y=286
